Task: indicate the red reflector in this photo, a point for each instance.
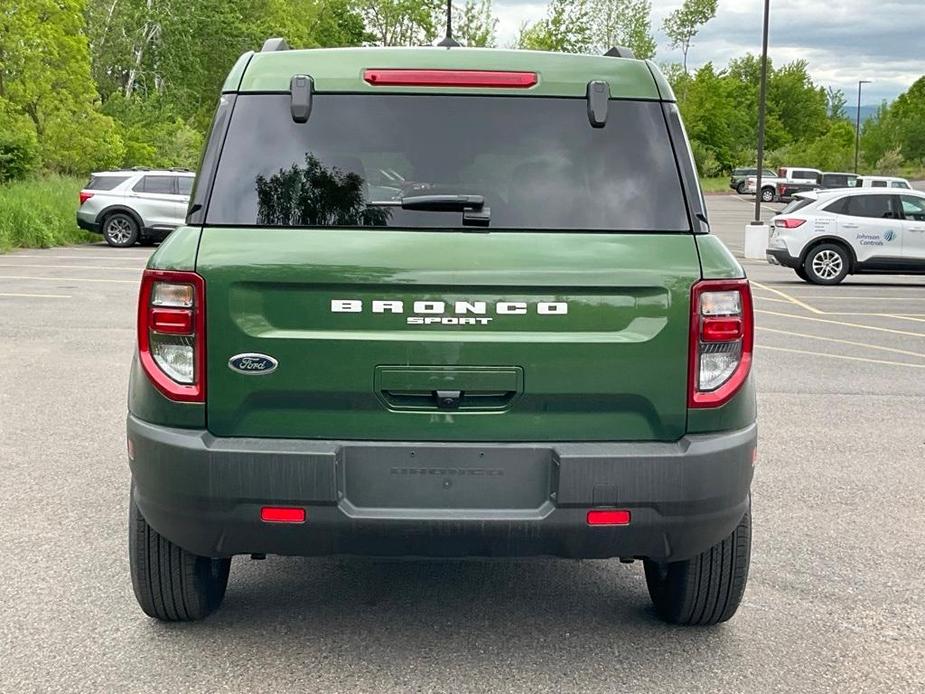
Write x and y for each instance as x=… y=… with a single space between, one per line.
x=789 y=223
x=282 y=514
x=84 y=196
x=609 y=517
x=721 y=329
x=449 y=78
x=176 y=321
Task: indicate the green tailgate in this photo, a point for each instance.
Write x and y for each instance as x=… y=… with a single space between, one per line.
x=590 y=344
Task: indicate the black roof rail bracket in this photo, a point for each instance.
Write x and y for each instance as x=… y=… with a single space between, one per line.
x=300 y=101
x=620 y=52
x=598 y=96
x=275 y=44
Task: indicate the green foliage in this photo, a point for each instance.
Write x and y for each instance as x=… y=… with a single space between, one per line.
x=890 y=163
x=40 y=213
x=682 y=25
x=19 y=151
x=623 y=23
x=475 y=25
x=566 y=28
x=403 y=22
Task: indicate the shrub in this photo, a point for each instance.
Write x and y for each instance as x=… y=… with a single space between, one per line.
x=38 y=213
x=19 y=154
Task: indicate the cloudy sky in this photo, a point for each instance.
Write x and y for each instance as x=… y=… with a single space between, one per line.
x=843 y=40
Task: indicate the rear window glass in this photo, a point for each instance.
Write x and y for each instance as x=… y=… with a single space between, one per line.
x=104 y=182
x=156 y=184
x=796 y=204
x=537 y=162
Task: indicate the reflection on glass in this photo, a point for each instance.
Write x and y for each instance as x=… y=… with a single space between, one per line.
x=316 y=195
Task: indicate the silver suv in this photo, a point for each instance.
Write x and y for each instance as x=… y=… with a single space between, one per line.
x=136 y=205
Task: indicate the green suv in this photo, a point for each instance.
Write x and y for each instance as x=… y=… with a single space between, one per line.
x=443 y=302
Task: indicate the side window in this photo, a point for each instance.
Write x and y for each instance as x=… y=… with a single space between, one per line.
x=157 y=184
x=873 y=206
x=840 y=206
x=913 y=207
x=899 y=184
x=185 y=184
x=800 y=174
x=878 y=184
x=104 y=182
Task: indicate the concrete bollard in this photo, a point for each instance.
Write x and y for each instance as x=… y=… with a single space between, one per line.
x=756 y=240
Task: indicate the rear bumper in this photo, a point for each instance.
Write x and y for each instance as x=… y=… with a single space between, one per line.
x=440 y=499
x=87 y=224
x=781 y=256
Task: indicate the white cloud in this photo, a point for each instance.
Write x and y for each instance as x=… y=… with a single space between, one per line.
x=842 y=41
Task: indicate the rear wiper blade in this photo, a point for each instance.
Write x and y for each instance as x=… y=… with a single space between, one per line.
x=442 y=203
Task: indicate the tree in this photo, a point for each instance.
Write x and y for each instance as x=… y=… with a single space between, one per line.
x=402 y=22
x=908 y=114
x=837 y=102
x=476 y=24
x=623 y=23
x=566 y=28
x=683 y=24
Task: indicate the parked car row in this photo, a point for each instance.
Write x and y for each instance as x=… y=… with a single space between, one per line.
x=136 y=205
x=783 y=185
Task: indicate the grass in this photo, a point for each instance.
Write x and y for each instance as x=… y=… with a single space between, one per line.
x=40 y=213
x=718 y=184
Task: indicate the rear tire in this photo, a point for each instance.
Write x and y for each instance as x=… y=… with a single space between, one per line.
x=171 y=584
x=120 y=230
x=827 y=263
x=767 y=195
x=741 y=189
x=801 y=273
x=708 y=588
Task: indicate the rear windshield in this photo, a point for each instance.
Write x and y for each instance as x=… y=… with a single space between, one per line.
x=537 y=162
x=796 y=204
x=104 y=182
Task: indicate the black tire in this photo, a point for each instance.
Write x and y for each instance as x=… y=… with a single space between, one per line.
x=707 y=589
x=767 y=195
x=801 y=273
x=171 y=584
x=827 y=263
x=120 y=230
x=741 y=189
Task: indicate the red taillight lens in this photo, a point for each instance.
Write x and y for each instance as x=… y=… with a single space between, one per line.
x=449 y=78
x=609 y=517
x=721 y=340
x=282 y=514
x=84 y=196
x=171 y=333
x=789 y=223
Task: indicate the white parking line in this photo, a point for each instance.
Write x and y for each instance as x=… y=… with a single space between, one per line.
x=842 y=323
x=54 y=256
x=36 y=296
x=75 y=267
x=842 y=356
x=786 y=296
x=865 y=345
x=65 y=279
x=751 y=203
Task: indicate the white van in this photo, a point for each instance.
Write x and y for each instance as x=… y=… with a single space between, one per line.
x=882 y=182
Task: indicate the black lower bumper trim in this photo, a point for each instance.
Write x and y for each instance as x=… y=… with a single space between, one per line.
x=783 y=257
x=454 y=499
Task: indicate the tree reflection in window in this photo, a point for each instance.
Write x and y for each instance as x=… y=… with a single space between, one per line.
x=316 y=195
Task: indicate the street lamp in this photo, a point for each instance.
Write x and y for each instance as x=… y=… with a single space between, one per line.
x=762 y=97
x=857 y=126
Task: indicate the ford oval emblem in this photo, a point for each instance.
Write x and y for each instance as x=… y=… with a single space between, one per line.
x=253 y=364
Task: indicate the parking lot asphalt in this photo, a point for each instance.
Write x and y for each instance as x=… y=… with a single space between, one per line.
x=835 y=601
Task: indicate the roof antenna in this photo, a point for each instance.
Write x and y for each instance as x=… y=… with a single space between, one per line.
x=448 y=41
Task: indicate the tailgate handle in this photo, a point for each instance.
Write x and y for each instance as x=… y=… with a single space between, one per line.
x=458 y=388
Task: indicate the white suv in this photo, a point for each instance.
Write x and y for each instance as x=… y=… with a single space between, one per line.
x=137 y=205
x=825 y=235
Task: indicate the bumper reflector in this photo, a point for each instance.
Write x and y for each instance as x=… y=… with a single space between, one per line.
x=282 y=514
x=609 y=517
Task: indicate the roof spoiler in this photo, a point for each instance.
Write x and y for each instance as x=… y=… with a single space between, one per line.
x=620 y=52
x=275 y=44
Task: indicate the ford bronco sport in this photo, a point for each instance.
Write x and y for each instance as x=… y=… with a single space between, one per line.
x=443 y=302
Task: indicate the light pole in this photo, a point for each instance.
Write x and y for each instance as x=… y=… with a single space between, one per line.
x=762 y=96
x=857 y=126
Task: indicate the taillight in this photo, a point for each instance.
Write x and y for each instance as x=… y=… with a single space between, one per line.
x=171 y=333
x=788 y=223
x=449 y=78
x=84 y=196
x=722 y=335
